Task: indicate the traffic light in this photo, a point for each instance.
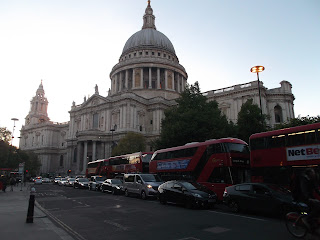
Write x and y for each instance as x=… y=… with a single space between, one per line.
x=69 y=171
x=27 y=171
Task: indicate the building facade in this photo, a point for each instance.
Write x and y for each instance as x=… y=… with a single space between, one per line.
x=146 y=81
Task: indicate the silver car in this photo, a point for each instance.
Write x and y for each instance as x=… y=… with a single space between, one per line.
x=144 y=185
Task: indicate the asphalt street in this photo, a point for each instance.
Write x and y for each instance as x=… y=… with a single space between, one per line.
x=94 y=215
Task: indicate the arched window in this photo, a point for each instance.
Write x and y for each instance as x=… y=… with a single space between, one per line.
x=61 y=160
x=278 y=114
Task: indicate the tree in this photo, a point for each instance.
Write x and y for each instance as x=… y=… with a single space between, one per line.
x=5 y=135
x=250 y=120
x=192 y=119
x=130 y=143
x=293 y=122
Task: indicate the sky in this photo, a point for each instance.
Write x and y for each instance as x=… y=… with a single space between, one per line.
x=72 y=45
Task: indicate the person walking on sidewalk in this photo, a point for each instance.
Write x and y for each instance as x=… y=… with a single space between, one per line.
x=4 y=183
x=12 y=183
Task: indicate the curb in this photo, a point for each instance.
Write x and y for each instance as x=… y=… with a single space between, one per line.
x=64 y=226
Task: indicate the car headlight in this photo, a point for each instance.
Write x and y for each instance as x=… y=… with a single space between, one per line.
x=197 y=195
x=149 y=186
x=117 y=187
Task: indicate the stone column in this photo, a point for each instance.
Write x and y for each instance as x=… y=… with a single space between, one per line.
x=166 y=79
x=94 y=150
x=126 y=83
x=133 y=78
x=141 y=80
x=173 y=81
x=178 y=82
x=120 y=82
x=85 y=159
x=150 y=78
x=78 y=157
x=158 y=78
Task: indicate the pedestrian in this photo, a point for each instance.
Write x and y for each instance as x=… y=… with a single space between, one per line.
x=12 y=183
x=4 y=184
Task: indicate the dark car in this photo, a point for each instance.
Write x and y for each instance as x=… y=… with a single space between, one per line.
x=81 y=183
x=189 y=194
x=258 y=197
x=112 y=185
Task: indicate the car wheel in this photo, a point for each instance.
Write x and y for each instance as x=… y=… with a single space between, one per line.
x=126 y=193
x=113 y=191
x=143 y=195
x=234 y=206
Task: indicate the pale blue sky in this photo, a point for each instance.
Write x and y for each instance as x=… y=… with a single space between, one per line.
x=73 y=45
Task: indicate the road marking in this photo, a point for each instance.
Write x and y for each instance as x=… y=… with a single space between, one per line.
x=230 y=214
x=188 y=238
x=81 y=206
x=217 y=230
x=53 y=209
x=116 y=225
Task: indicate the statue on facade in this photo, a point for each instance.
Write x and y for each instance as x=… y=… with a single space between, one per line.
x=109 y=92
x=96 y=91
x=85 y=99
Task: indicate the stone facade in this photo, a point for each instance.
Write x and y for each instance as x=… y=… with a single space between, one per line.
x=146 y=81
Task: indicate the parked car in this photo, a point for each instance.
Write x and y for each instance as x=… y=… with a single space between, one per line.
x=56 y=180
x=62 y=181
x=188 y=194
x=144 y=185
x=95 y=182
x=258 y=197
x=70 y=182
x=38 y=180
x=46 y=180
x=81 y=183
x=112 y=185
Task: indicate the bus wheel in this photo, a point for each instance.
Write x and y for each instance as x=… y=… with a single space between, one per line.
x=143 y=195
x=234 y=206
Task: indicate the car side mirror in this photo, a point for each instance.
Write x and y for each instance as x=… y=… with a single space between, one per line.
x=139 y=181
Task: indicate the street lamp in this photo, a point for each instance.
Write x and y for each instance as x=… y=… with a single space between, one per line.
x=257 y=69
x=14 y=125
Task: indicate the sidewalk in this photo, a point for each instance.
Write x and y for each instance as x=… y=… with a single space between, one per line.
x=13 y=214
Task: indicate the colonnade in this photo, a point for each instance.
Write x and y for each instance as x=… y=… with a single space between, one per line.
x=148 y=78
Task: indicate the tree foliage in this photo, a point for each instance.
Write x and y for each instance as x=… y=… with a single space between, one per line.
x=10 y=157
x=192 y=119
x=250 y=120
x=5 y=135
x=298 y=122
x=130 y=143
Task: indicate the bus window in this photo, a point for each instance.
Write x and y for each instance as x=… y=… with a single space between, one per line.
x=257 y=143
x=220 y=175
x=310 y=137
x=236 y=148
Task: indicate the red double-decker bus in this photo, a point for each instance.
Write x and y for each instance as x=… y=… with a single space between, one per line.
x=214 y=163
x=129 y=163
x=276 y=156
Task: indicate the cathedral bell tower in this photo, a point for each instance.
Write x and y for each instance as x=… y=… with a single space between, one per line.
x=38 y=108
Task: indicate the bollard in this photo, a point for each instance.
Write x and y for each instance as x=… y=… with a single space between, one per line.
x=31 y=206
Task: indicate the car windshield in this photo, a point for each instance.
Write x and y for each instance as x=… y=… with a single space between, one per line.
x=190 y=186
x=83 y=180
x=71 y=179
x=237 y=148
x=150 y=178
x=116 y=181
x=64 y=179
x=99 y=179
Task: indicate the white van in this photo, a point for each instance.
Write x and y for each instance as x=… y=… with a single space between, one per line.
x=142 y=184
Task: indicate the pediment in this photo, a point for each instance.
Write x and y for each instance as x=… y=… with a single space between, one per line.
x=95 y=100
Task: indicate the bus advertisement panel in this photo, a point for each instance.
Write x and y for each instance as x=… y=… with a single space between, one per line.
x=214 y=163
x=278 y=155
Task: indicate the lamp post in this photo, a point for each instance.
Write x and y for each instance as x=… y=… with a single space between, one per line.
x=14 y=125
x=257 y=69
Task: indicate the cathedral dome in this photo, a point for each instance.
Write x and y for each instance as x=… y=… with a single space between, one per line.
x=148 y=38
